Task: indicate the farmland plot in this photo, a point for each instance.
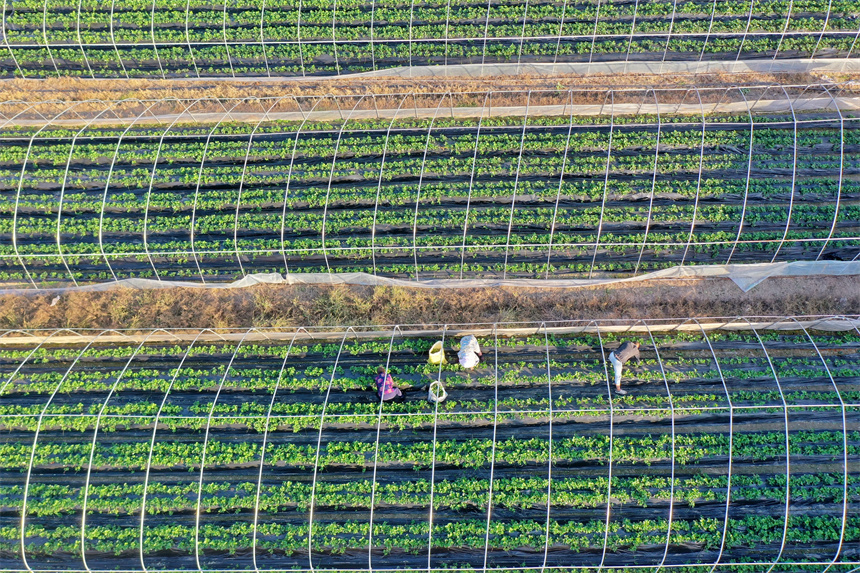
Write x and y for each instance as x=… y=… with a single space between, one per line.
x=534 y=195
x=185 y=38
x=732 y=447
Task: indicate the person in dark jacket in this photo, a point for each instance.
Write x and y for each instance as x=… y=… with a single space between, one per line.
x=621 y=355
x=385 y=387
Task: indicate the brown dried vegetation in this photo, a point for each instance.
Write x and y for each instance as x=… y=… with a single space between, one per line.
x=271 y=305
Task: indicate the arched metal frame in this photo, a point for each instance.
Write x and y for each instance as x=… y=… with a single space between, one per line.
x=188 y=37
x=516 y=183
x=242 y=183
x=522 y=36
x=842 y=408
x=63 y=191
x=593 y=36
x=433 y=462
x=841 y=174
x=549 y=449
x=6 y=40
x=107 y=188
x=447 y=27
x=558 y=193
x=793 y=179
x=154 y=43
x=263 y=39
x=95 y=440
x=710 y=27
x=731 y=446
x=605 y=358
x=289 y=179
x=205 y=445
x=113 y=39
x=42 y=413
x=152 y=180
x=80 y=41
x=785 y=28
x=653 y=183
x=152 y=444
x=698 y=180
x=672 y=475
x=611 y=95
x=21 y=185
x=226 y=45
x=486 y=34
x=299 y=37
x=45 y=37
x=379 y=185
x=488 y=105
x=418 y=192
x=747 y=184
x=669 y=34
x=263 y=447
x=493 y=451
x=197 y=189
x=632 y=32
x=319 y=449
x=746 y=31
x=376 y=451
x=331 y=178
x=334 y=36
x=787 y=448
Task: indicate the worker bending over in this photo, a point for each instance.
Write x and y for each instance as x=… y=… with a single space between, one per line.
x=470 y=353
x=621 y=355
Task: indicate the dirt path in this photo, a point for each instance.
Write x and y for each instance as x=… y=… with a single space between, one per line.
x=91 y=94
x=309 y=305
x=68 y=117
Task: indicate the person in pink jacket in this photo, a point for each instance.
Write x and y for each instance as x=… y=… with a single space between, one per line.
x=385 y=387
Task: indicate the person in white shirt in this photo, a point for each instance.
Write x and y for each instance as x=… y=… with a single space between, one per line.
x=625 y=352
x=470 y=353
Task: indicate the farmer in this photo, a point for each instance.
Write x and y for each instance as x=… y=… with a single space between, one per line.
x=621 y=355
x=470 y=352
x=385 y=387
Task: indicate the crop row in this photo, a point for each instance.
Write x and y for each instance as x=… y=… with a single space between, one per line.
x=310 y=144
x=460 y=494
x=681 y=449
x=413 y=538
x=355 y=126
x=84 y=53
x=173 y=27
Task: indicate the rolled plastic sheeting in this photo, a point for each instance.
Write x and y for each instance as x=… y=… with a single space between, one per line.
x=745 y=276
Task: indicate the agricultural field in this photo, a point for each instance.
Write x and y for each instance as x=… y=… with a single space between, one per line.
x=185 y=38
x=536 y=191
x=736 y=449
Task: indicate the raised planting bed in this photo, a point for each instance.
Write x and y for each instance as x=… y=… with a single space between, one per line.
x=539 y=193
x=185 y=38
x=734 y=449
